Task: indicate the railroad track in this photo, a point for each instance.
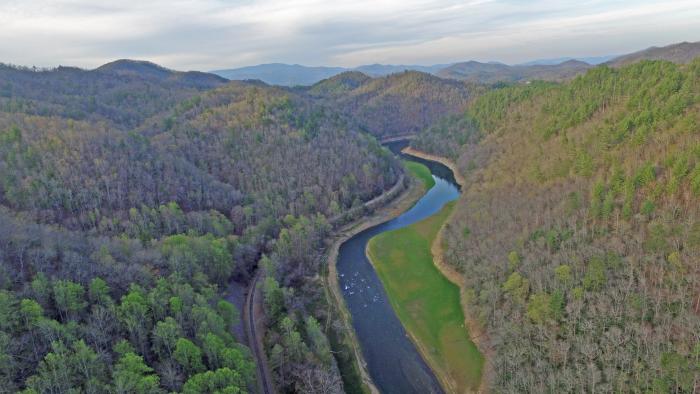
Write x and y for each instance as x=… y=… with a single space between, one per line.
x=264 y=379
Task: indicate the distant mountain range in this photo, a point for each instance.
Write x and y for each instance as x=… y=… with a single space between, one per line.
x=496 y=72
x=555 y=69
x=594 y=60
x=298 y=75
x=682 y=53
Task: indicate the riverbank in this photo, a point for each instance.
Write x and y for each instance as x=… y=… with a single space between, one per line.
x=389 y=210
x=427 y=303
x=477 y=333
x=442 y=160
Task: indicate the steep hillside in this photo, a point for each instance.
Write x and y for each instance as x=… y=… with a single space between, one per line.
x=497 y=72
x=123 y=93
x=130 y=199
x=579 y=230
x=397 y=104
x=682 y=53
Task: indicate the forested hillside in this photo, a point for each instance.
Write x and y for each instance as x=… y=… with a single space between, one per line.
x=123 y=93
x=498 y=72
x=579 y=229
x=682 y=52
x=398 y=104
x=131 y=195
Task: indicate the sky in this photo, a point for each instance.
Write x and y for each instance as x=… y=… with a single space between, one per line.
x=216 y=34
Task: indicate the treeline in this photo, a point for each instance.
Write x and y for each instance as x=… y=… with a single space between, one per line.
x=132 y=196
x=579 y=231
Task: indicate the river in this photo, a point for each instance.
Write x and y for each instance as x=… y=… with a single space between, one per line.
x=393 y=361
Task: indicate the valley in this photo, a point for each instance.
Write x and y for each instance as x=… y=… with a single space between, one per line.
x=540 y=231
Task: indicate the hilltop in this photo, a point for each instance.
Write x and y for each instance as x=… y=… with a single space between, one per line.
x=681 y=53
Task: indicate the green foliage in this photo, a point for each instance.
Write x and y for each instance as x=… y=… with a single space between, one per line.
x=133 y=312
x=695 y=180
x=8 y=311
x=679 y=373
x=99 y=292
x=596 y=275
x=513 y=260
x=75 y=369
x=165 y=336
x=644 y=175
x=648 y=207
x=517 y=286
x=317 y=340
x=220 y=381
x=557 y=304
x=189 y=255
x=189 y=356
x=563 y=274
x=31 y=312
x=539 y=308
x=69 y=298
x=132 y=375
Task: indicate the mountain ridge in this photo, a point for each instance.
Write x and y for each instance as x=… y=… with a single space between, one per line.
x=682 y=52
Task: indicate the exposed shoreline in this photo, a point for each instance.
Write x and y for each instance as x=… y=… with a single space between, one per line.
x=445 y=381
x=442 y=160
x=477 y=333
x=388 y=211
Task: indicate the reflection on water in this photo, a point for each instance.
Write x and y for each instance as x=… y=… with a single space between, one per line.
x=393 y=361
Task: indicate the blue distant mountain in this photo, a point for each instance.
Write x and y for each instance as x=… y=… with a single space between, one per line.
x=593 y=60
x=298 y=75
x=554 y=69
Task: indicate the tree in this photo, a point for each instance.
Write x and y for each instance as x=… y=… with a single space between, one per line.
x=41 y=289
x=89 y=368
x=69 y=298
x=563 y=274
x=516 y=286
x=8 y=311
x=228 y=312
x=595 y=277
x=539 y=308
x=220 y=381
x=513 y=260
x=55 y=373
x=133 y=312
x=291 y=339
x=189 y=356
x=131 y=375
x=273 y=296
x=99 y=292
x=165 y=336
x=8 y=363
x=318 y=341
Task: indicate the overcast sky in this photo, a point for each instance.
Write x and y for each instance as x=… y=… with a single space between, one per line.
x=214 y=34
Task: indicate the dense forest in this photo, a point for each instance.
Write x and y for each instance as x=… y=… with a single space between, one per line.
x=579 y=229
x=397 y=104
x=131 y=196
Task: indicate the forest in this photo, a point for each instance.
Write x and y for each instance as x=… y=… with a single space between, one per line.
x=133 y=197
x=578 y=233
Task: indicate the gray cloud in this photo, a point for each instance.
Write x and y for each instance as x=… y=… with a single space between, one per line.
x=209 y=34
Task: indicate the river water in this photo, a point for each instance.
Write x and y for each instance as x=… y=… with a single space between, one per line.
x=393 y=361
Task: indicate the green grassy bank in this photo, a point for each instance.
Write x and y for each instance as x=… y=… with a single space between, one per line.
x=426 y=302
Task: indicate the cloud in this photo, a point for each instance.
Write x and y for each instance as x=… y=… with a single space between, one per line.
x=208 y=34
